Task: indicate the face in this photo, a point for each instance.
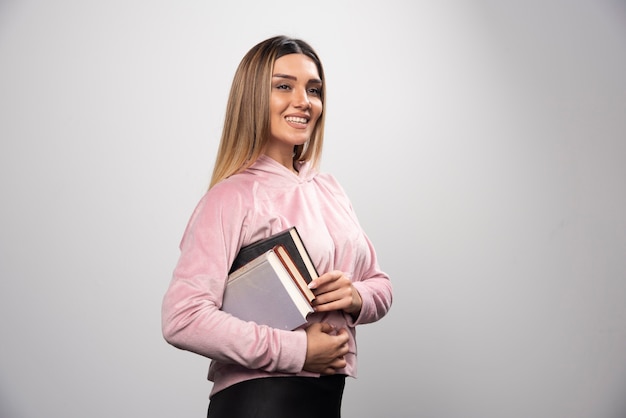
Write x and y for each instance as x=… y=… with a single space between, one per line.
x=295 y=103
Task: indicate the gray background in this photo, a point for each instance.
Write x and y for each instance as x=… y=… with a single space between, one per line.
x=483 y=144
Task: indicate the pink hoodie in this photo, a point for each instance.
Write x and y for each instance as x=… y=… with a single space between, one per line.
x=265 y=199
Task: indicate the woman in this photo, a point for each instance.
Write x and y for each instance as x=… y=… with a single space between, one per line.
x=265 y=180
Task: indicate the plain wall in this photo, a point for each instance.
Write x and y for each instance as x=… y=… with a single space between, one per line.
x=483 y=145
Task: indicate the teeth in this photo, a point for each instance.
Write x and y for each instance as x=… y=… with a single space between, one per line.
x=296 y=120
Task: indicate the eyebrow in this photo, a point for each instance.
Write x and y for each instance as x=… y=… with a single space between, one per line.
x=290 y=77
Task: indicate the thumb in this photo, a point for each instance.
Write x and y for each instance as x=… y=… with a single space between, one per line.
x=326 y=327
x=344 y=333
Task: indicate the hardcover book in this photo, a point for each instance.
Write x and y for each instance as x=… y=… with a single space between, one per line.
x=264 y=291
x=291 y=240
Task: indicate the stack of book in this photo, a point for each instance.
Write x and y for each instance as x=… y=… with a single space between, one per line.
x=268 y=280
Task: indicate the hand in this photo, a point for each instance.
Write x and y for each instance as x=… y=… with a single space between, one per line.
x=325 y=349
x=334 y=291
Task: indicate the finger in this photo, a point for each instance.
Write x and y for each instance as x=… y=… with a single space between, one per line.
x=324 y=279
x=336 y=305
x=320 y=281
x=326 y=328
x=344 y=350
x=343 y=335
x=332 y=292
x=339 y=363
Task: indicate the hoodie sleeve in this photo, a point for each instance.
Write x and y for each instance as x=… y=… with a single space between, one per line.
x=191 y=315
x=356 y=256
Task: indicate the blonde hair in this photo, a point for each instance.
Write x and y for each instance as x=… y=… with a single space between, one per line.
x=247 y=123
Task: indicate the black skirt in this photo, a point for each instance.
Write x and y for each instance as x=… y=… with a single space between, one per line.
x=280 y=397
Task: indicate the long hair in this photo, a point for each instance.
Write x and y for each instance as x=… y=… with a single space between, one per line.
x=247 y=121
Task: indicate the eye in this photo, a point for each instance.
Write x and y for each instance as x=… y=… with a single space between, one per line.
x=282 y=87
x=315 y=91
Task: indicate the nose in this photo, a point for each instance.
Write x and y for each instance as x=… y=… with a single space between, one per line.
x=301 y=99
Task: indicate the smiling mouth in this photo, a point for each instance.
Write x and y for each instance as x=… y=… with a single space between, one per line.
x=295 y=119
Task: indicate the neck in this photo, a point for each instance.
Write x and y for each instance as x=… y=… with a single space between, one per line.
x=283 y=158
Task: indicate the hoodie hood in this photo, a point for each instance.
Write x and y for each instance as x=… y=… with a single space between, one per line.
x=269 y=168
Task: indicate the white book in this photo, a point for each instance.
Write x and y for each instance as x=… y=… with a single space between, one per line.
x=264 y=291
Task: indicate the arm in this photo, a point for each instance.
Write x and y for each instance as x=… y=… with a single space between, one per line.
x=374 y=288
x=354 y=281
x=191 y=315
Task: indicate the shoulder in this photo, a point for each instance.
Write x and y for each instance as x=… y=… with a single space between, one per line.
x=329 y=182
x=331 y=187
x=231 y=190
x=224 y=207
x=227 y=199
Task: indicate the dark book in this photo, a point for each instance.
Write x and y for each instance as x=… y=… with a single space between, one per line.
x=264 y=291
x=291 y=240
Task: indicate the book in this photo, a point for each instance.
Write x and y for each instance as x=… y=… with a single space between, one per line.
x=264 y=291
x=292 y=241
x=295 y=273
